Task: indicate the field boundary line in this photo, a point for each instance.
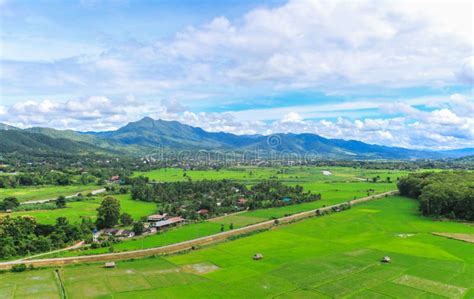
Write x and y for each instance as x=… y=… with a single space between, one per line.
x=61 y=284
x=189 y=244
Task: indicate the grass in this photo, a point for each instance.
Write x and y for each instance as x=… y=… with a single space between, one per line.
x=44 y=192
x=332 y=256
x=75 y=211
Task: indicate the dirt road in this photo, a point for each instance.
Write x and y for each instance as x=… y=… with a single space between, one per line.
x=94 y=192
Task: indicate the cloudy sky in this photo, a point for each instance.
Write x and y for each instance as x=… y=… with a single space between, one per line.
x=394 y=72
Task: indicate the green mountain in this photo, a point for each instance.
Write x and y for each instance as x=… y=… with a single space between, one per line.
x=146 y=135
x=174 y=135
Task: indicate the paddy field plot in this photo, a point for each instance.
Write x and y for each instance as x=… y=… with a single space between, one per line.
x=44 y=192
x=251 y=175
x=335 y=256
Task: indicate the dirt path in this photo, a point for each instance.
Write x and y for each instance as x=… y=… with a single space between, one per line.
x=186 y=245
x=77 y=245
x=225 y=216
x=94 y=192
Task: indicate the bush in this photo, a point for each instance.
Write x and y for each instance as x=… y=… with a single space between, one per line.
x=19 y=268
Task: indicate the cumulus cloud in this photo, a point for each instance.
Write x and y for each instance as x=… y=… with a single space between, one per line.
x=292 y=117
x=319 y=44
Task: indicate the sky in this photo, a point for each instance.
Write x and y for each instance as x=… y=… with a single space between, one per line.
x=390 y=72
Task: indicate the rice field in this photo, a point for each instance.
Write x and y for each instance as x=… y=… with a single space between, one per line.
x=335 y=256
x=342 y=185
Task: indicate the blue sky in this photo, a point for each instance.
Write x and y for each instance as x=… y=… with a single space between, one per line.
x=387 y=72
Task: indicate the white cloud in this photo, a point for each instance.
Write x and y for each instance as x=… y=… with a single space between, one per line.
x=292 y=117
x=333 y=46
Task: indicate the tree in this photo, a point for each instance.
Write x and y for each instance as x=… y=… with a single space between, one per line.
x=231 y=226
x=222 y=227
x=10 y=203
x=61 y=202
x=126 y=219
x=138 y=228
x=108 y=213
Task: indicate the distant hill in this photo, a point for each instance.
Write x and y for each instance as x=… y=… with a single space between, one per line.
x=7 y=127
x=147 y=134
x=458 y=153
x=18 y=141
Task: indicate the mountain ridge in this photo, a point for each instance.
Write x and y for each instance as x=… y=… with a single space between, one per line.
x=147 y=134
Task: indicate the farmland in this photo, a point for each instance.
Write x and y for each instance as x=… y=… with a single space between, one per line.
x=45 y=192
x=344 y=184
x=332 y=256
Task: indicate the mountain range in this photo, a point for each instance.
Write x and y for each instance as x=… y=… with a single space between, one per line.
x=147 y=134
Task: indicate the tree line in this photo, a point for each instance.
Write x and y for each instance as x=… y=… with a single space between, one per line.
x=447 y=194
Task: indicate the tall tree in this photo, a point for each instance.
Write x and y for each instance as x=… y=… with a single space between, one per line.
x=108 y=213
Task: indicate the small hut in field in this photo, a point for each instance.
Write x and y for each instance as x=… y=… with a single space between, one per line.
x=386 y=259
x=109 y=265
x=257 y=256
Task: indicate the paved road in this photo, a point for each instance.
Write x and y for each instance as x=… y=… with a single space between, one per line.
x=186 y=245
x=94 y=192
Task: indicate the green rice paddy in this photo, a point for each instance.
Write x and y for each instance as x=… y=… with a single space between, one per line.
x=44 y=192
x=324 y=257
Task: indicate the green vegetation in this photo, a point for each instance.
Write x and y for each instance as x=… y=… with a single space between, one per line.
x=75 y=211
x=108 y=214
x=217 y=197
x=332 y=256
x=344 y=184
x=443 y=194
x=23 y=235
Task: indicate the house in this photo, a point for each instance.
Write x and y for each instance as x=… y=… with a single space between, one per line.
x=242 y=201
x=114 y=179
x=173 y=221
x=157 y=217
x=203 y=212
